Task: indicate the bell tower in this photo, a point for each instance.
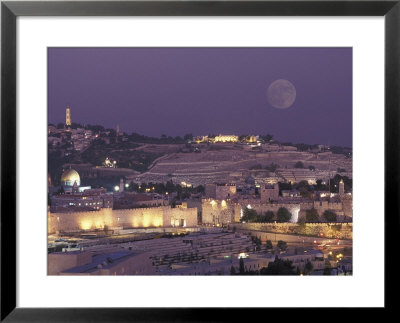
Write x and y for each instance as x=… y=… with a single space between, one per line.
x=68 y=117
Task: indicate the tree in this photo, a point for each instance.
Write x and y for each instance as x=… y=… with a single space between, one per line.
x=269 y=215
x=308 y=268
x=256 y=166
x=279 y=267
x=328 y=267
x=268 y=245
x=282 y=245
x=299 y=164
x=283 y=215
x=312 y=215
x=188 y=137
x=329 y=216
x=306 y=194
x=233 y=271
x=257 y=242
x=267 y=138
x=272 y=167
x=249 y=215
x=241 y=266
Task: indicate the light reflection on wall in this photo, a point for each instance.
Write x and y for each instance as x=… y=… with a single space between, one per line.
x=295 y=214
x=86 y=224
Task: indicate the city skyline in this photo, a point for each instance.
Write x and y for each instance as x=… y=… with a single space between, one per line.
x=152 y=88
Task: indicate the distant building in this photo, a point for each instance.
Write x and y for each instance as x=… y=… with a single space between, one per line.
x=79 y=198
x=291 y=193
x=129 y=200
x=88 y=200
x=220 y=191
x=226 y=138
x=269 y=192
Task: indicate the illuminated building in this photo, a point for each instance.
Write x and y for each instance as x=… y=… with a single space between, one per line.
x=226 y=138
x=89 y=200
x=78 y=197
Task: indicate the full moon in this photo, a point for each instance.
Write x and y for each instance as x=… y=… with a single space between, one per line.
x=281 y=94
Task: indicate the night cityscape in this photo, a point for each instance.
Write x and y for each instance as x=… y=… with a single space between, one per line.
x=200 y=161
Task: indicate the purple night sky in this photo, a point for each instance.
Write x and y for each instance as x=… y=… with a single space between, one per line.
x=174 y=91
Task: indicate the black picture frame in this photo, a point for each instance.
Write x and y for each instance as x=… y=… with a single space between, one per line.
x=10 y=10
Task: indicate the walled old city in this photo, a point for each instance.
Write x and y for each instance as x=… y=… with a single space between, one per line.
x=206 y=205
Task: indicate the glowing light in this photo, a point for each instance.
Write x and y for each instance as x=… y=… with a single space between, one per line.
x=243 y=255
x=99 y=224
x=223 y=203
x=146 y=221
x=86 y=224
x=213 y=202
x=135 y=222
x=249 y=206
x=157 y=222
x=127 y=185
x=116 y=188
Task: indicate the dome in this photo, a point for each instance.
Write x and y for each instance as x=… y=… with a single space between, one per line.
x=69 y=177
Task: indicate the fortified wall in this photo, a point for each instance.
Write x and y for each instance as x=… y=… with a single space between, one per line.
x=328 y=230
x=220 y=212
x=298 y=209
x=129 y=218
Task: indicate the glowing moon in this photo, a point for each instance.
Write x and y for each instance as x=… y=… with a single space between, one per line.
x=281 y=94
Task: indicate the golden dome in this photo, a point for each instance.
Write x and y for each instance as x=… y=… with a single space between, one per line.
x=69 y=177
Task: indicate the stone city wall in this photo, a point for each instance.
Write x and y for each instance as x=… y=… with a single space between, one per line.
x=128 y=218
x=298 y=210
x=219 y=212
x=328 y=230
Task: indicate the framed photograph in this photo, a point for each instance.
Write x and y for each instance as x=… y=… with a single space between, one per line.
x=183 y=155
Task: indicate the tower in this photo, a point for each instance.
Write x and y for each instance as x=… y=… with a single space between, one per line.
x=341 y=188
x=68 y=117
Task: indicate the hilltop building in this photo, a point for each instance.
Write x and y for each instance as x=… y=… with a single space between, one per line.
x=226 y=138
